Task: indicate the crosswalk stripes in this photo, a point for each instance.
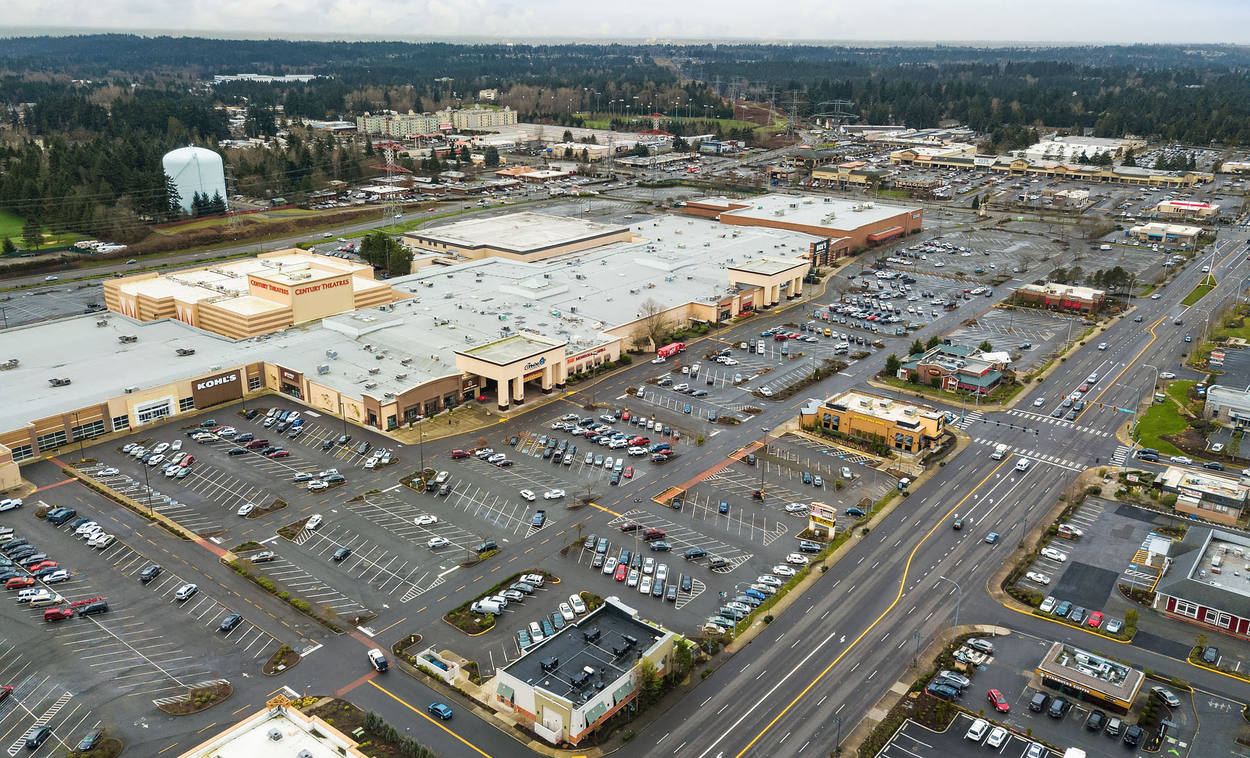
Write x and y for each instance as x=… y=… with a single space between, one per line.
x=1036 y=456
x=1059 y=422
x=47 y=716
x=1119 y=456
x=969 y=419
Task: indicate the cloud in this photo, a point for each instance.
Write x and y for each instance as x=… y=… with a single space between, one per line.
x=1109 y=21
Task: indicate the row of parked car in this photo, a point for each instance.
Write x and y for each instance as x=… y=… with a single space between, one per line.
x=1080 y=616
x=30 y=571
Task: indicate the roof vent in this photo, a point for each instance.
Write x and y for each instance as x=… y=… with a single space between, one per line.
x=274 y=734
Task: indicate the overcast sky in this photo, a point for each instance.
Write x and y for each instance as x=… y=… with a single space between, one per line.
x=1092 y=21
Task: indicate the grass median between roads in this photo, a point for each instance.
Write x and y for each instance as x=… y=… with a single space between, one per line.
x=1199 y=292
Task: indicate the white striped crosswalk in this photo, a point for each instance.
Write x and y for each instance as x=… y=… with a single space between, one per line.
x=1057 y=422
x=1036 y=456
x=1118 y=457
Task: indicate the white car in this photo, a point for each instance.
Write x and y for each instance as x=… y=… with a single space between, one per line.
x=657 y=360
x=227 y=431
x=495 y=458
x=796 y=508
x=101 y=541
x=316 y=485
x=161 y=447
x=1038 y=403
x=1102 y=345
x=437 y=542
x=175 y=445
x=579 y=607
x=425 y=519
x=609 y=566
x=90 y=527
x=977 y=731
x=1034 y=576
x=566 y=612
x=245 y=509
x=528 y=495
x=1167 y=375
x=797 y=559
x=155 y=459
x=1054 y=554
x=553 y=494
x=110 y=471
x=783 y=570
x=997 y=737
x=766 y=392
x=314 y=521
x=644 y=585
x=768 y=580
x=1182 y=459
x=1155 y=296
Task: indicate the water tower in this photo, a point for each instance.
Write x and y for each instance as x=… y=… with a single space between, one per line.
x=195 y=169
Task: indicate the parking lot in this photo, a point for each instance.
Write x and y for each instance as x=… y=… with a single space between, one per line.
x=915 y=741
x=1046 y=334
x=38 y=699
x=52 y=301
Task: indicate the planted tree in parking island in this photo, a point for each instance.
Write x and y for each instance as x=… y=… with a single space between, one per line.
x=892 y=365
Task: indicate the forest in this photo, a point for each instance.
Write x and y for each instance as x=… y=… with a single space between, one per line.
x=88 y=117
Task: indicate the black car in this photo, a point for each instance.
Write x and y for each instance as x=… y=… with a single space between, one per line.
x=670 y=593
x=341 y=553
x=335 y=479
x=230 y=622
x=344 y=439
x=90 y=740
x=1059 y=707
x=251 y=414
x=245 y=437
x=91 y=609
x=149 y=572
x=1038 y=702
x=694 y=553
x=1133 y=735
x=237 y=451
x=1096 y=721
x=363 y=447
x=327 y=444
x=486 y=546
x=717 y=562
x=686 y=583
x=37 y=736
x=660 y=546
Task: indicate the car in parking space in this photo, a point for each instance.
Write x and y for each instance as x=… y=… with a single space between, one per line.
x=185 y=592
x=797 y=559
x=770 y=581
x=806 y=546
x=1054 y=555
x=437 y=542
x=56 y=576
x=660 y=546
x=783 y=570
x=513 y=595
x=1095 y=619
x=262 y=557
x=245 y=509
x=1210 y=655
x=230 y=622
x=101 y=541
x=313 y=521
x=621 y=571
x=996 y=738
x=578 y=605
x=341 y=554
x=1040 y=578
x=1059 y=707
x=977 y=730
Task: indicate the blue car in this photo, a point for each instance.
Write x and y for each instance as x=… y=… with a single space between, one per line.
x=942 y=691
x=440 y=710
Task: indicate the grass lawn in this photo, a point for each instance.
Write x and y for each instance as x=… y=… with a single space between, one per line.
x=11 y=227
x=1180 y=391
x=1243 y=331
x=1200 y=291
x=1159 y=420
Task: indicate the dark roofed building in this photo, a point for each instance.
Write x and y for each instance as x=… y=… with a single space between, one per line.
x=1207 y=581
x=564 y=687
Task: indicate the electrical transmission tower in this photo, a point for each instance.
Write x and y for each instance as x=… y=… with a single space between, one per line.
x=391 y=205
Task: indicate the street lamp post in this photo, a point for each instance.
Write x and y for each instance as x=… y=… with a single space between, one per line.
x=148 y=487
x=763 y=461
x=837 y=742
x=958 y=598
x=421 y=444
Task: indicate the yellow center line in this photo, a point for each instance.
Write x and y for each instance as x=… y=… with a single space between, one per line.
x=898 y=596
x=430 y=719
x=210 y=726
x=171 y=747
x=402 y=620
x=1127 y=366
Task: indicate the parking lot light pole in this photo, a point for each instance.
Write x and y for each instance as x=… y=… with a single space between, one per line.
x=421 y=444
x=763 y=461
x=82 y=457
x=147 y=486
x=837 y=742
x=958 y=598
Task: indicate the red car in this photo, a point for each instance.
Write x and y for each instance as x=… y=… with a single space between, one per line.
x=628 y=472
x=280 y=454
x=625 y=416
x=653 y=534
x=58 y=614
x=18 y=582
x=187 y=461
x=1095 y=619
x=4 y=691
x=998 y=701
x=1083 y=388
x=43 y=565
x=455 y=454
x=621 y=570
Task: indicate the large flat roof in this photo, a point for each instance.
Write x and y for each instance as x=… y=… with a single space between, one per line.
x=601 y=641
x=769 y=266
x=824 y=211
x=512 y=349
x=525 y=232
x=1090 y=670
x=230 y=279
x=1210 y=567
x=572 y=298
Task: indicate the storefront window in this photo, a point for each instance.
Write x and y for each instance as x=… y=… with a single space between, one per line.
x=120 y=423
x=390 y=422
x=22 y=452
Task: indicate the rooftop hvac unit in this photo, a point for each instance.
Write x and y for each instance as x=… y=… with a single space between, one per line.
x=323 y=369
x=274 y=735
x=131 y=390
x=401 y=377
x=304 y=754
x=370 y=385
x=374 y=370
x=332 y=354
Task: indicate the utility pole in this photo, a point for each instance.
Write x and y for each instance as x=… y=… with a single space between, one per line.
x=763 y=461
x=958 y=599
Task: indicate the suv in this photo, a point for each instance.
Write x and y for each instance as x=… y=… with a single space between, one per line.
x=1059 y=707
x=185 y=592
x=149 y=572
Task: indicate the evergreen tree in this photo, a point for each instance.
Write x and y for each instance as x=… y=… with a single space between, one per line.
x=492 y=156
x=9 y=248
x=32 y=233
x=173 y=200
x=892 y=365
x=1129 y=158
x=916 y=347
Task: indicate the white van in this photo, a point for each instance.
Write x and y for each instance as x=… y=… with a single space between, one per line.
x=1023 y=465
x=485 y=606
x=1000 y=452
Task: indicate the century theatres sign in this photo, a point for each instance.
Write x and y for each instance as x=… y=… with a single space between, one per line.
x=318 y=287
x=217 y=388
